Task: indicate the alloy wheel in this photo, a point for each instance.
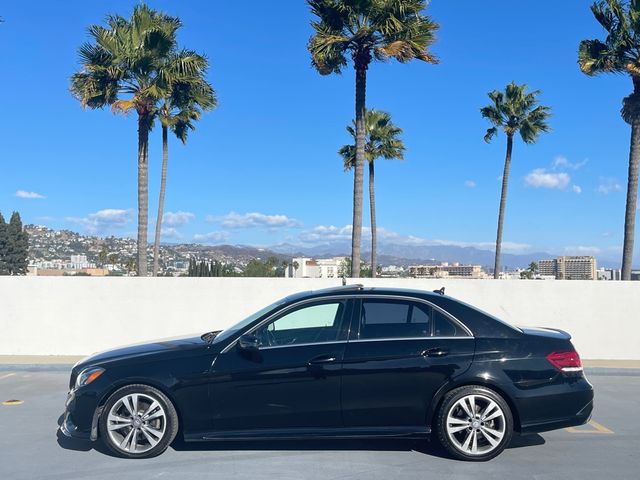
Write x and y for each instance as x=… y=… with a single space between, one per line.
x=136 y=423
x=475 y=424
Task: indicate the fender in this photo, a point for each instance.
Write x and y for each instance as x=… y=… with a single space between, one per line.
x=472 y=378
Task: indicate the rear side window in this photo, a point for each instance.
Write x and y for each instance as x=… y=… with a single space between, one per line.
x=444 y=327
x=381 y=318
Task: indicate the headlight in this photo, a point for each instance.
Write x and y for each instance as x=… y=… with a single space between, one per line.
x=88 y=375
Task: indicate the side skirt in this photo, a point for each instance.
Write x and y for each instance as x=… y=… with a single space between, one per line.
x=418 y=432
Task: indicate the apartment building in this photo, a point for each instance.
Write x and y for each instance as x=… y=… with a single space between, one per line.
x=446 y=269
x=305 y=267
x=569 y=267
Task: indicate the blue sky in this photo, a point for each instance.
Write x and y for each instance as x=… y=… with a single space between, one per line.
x=262 y=168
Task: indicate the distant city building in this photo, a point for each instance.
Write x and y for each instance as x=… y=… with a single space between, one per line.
x=569 y=268
x=305 y=267
x=445 y=269
x=392 y=271
x=635 y=275
x=60 y=272
x=608 y=274
x=79 y=261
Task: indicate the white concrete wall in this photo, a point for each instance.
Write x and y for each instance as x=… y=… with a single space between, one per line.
x=77 y=316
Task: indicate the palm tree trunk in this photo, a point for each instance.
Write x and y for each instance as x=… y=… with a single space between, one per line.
x=632 y=201
x=503 y=204
x=374 y=232
x=143 y=191
x=163 y=186
x=358 y=177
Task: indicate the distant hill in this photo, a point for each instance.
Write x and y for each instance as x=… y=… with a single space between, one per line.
x=395 y=254
x=48 y=244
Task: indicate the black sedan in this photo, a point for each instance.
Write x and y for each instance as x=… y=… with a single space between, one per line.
x=344 y=362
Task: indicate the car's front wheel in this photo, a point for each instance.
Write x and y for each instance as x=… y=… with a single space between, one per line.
x=138 y=421
x=474 y=423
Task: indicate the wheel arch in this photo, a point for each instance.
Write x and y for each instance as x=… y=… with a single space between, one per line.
x=133 y=381
x=439 y=397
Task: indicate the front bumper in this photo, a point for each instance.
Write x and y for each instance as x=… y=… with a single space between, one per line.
x=80 y=419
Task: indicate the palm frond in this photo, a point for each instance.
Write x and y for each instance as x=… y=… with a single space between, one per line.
x=365 y=29
x=382 y=139
x=516 y=110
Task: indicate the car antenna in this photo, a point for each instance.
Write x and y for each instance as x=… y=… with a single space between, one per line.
x=440 y=291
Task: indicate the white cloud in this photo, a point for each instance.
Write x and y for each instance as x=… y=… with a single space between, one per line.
x=608 y=185
x=561 y=162
x=470 y=184
x=211 y=237
x=331 y=233
x=103 y=220
x=254 y=220
x=171 y=233
x=29 y=195
x=326 y=233
x=177 y=219
x=581 y=250
x=541 y=178
x=576 y=188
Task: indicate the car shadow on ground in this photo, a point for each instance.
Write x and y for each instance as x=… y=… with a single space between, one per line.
x=430 y=448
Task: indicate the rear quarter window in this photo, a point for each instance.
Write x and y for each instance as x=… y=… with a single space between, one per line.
x=480 y=323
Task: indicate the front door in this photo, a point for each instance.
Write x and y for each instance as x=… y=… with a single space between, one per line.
x=400 y=353
x=293 y=380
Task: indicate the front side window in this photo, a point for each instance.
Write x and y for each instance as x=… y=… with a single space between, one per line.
x=315 y=323
x=381 y=318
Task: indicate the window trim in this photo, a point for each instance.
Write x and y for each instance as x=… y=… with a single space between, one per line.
x=446 y=314
x=357 y=298
x=280 y=313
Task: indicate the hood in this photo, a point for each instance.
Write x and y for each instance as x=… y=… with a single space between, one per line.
x=546 y=332
x=165 y=345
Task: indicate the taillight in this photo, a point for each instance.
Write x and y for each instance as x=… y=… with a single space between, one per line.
x=565 y=361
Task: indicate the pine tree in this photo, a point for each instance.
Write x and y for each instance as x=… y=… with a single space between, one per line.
x=17 y=252
x=4 y=267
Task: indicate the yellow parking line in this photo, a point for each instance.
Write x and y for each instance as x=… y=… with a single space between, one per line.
x=7 y=376
x=596 y=428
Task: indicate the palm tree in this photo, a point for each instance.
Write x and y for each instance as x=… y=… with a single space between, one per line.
x=381 y=141
x=620 y=53
x=130 y=57
x=367 y=30
x=187 y=99
x=513 y=111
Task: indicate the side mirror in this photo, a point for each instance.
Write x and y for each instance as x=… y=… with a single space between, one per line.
x=249 y=343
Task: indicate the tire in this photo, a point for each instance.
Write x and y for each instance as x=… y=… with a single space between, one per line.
x=480 y=437
x=138 y=421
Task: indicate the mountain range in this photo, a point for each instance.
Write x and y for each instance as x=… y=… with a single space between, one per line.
x=403 y=255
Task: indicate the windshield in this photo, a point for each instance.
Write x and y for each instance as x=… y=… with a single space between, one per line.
x=247 y=321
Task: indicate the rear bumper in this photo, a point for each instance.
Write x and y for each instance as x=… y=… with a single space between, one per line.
x=566 y=405
x=582 y=417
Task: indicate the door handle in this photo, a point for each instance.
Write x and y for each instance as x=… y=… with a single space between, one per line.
x=435 y=352
x=322 y=359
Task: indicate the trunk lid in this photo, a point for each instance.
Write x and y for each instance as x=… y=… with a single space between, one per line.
x=546 y=332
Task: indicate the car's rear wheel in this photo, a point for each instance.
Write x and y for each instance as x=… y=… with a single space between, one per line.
x=474 y=423
x=138 y=421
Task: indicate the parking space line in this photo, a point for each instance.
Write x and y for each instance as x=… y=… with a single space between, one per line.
x=7 y=376
x=595 y=428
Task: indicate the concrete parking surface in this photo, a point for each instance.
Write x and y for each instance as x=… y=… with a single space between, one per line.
x=608 y=448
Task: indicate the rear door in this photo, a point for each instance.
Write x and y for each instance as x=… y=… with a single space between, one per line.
x=400 y=351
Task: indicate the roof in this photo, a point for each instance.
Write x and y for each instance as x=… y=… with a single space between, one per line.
x=360 y=288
